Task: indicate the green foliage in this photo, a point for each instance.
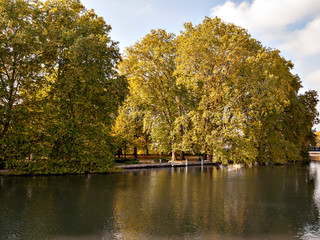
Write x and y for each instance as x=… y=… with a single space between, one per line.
x=155 y=96
x=128 y=128
x=216 y=90
x=244 y=91
x=20 y=77
x=213 y=89
x=74 y=166
x=60 y=89
x=317 y=139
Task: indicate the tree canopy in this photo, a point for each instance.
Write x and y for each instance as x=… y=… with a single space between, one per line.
x=215 y=90
x=68 y=100
x=59 y=86
x=149 y=66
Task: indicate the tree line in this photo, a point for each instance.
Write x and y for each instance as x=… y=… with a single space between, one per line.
x=214 y=90
x=69 y=100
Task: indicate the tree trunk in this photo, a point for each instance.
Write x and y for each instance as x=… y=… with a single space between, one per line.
x=174 y=156
x=147 y=149
x=182 y=155
x=209 y=157
x=119 y=153
x=135 y=152
x=205 y=156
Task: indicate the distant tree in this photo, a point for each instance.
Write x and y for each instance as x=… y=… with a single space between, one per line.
x=317 y=139
x=129 y=131
x=300 y=117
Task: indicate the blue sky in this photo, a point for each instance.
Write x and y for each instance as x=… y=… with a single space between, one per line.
x=132 y=19
x=292 y=26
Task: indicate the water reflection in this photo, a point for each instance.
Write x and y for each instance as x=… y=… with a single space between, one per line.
x=312 y=231
x=174 y=203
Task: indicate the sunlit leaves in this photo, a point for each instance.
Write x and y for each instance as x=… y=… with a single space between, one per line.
x=242 y=89
x=216 y=90
x=149 y=66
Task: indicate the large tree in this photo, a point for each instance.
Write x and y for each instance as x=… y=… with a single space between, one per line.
x=80 y=89
x=84 y=88
x=242 y=89
x=217 y=90
x=149 y=66
x=20 y=76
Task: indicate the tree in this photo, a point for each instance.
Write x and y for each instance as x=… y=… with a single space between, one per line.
x=300 y=117
x=241 y=88
x=20 y=77
x=129 y=131
x=84 y=87
x=317 y=134
x=149 y=66
x=70 y=55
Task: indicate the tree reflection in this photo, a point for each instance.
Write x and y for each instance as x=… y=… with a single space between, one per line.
x=174 y=203
x=246 y=202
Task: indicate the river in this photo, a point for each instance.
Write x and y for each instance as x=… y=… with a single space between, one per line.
x=269 y=202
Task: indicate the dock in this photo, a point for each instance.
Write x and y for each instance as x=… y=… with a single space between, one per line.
x=167 y=164
x=314 y=156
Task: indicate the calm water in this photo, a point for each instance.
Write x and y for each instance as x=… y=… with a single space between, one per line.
x=181 y=203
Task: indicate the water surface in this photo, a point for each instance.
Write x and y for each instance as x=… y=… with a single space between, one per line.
x=179 y=203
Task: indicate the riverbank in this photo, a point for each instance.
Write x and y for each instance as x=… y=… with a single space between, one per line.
x=149 y=165
x=120 y=167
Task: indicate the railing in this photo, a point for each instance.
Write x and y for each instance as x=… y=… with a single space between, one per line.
x=315 y=149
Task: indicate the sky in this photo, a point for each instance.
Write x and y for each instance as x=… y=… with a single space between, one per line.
x=292 y=26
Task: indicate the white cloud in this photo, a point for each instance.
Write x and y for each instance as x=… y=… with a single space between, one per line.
x=262 y=15
x=304 y=42
x=314 y=77
x=272 y=21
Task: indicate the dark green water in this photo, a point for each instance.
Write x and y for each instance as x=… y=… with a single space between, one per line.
x=181 y=203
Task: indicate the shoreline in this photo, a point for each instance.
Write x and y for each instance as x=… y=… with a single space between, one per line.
x=167 y=164
x=122 y=167
x=141 y=166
